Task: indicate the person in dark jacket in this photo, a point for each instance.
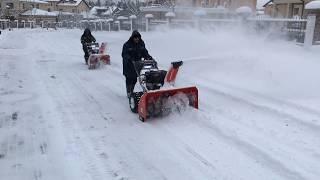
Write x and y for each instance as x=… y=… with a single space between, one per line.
x=133 y=50
x=86 y=37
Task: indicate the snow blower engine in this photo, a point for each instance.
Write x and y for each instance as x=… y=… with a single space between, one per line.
x=153 y=101
x=97 y=55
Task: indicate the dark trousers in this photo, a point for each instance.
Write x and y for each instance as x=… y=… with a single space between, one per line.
x=130 y=83
x=86 y=53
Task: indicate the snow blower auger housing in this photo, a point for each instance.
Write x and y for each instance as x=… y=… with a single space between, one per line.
x=97 y=55
x=153 y=101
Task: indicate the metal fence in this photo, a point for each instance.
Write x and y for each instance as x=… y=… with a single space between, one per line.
x=299 y=30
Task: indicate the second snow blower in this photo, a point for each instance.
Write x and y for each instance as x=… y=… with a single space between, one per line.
x=153 y=101
x=97 y=55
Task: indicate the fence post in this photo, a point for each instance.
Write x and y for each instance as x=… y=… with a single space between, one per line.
x=118 y=22
x=199 y=14
x=109 y=23
x=132 y=17
x=17 y=24
x=308 y=38
x=148 y=18
x=170 y=16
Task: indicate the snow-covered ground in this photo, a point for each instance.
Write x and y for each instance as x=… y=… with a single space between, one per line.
x=259 y=115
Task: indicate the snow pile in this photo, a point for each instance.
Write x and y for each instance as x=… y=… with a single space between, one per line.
x=170 y=14
x=244 y=10
x=35 y=1
x=149 y=16
x=200 y=12
x=176 y=104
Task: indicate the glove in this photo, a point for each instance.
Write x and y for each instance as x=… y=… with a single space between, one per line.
x=149 y=58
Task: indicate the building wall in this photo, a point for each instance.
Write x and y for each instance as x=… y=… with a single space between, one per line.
x=285 y=8
x=20 y=7
x=12 y=11
x=316 y=37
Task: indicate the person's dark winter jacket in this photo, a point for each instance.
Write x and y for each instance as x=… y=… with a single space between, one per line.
x=133 y=51
x=86 y=38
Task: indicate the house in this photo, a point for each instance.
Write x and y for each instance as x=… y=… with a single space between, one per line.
x=38 y=15
x=285 y=8
x=73 y=6
x=17 y=7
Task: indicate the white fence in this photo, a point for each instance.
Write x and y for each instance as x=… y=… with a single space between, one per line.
x=301 y=30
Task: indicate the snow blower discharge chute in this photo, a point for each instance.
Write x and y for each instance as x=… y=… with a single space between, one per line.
x=153 y=101
x=97 y=55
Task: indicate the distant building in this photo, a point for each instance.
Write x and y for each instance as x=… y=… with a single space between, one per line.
x=230 y=4
x=285 y=8
x=186 y=8
x=17 y=7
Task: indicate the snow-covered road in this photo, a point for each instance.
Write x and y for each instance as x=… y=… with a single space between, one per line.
x=259 y=115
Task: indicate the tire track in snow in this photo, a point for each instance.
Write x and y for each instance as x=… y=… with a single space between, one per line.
x=78 y=83
x=255 y=148
x=254 y=152
x=77 y=139
x=315 y=129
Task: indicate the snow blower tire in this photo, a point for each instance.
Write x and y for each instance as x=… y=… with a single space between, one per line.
x=133 y=103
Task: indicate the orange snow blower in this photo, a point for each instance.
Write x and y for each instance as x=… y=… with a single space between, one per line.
x=159 y=96
x=97 y=55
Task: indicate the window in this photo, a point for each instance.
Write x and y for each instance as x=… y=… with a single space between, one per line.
x=9 y=6
x=49 y=10
x=296 y=11
x=74 y=10
x=23 y=6
x=37 y=6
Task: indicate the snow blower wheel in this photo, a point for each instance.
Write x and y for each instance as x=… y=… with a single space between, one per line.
x=133 y=103
x=134 y=99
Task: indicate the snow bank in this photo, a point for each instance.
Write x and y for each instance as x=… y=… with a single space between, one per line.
x=244 y=10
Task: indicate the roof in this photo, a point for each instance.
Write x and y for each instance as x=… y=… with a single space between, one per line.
x=38 y=12
x=269 y=2
x=34 y=1
x=69 y=2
